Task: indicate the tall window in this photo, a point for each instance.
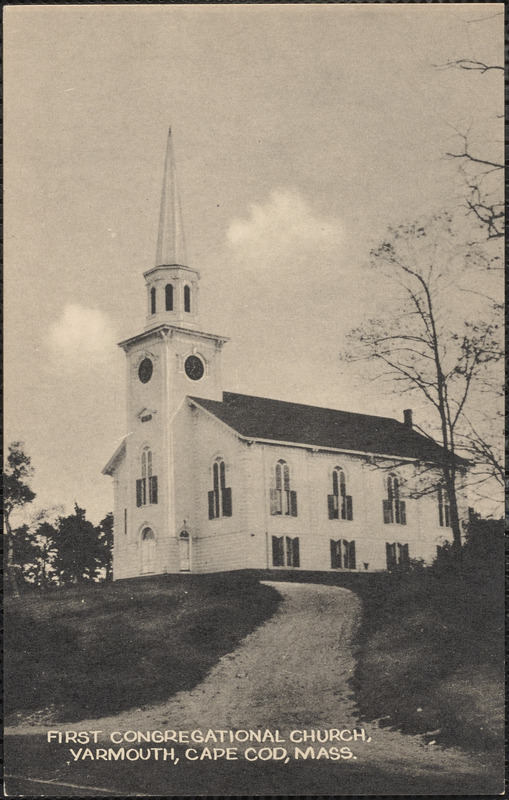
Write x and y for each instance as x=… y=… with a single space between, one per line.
x=146 y=486
x=168 y=296
x=342 y=554
x=187 y=298
x=283 y=500
x=397 y=555
x=340 y=503
x=153 y=300
x=444 y=511
x=285 y=551
x=394 y=508
x=220 y=498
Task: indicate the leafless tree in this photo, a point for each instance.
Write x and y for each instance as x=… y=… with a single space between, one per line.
x=420 y=344
x=481 y=158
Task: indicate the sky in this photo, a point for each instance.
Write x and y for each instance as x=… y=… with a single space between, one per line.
x=300 y=133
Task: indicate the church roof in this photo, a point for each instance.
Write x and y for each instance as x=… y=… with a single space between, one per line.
x=294 y=423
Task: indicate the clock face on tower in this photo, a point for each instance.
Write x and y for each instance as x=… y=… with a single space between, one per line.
x=145 y=370
x=194 y=368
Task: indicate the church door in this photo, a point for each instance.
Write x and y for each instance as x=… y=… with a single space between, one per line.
x=184 y=552
x=148 y=552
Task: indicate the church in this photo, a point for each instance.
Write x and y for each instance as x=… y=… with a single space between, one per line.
x=209 y=480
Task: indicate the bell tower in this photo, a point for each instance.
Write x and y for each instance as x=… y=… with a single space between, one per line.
x=172 y=286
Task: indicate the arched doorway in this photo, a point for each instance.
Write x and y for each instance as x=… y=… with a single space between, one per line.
x=148 y=551
x=185 y=551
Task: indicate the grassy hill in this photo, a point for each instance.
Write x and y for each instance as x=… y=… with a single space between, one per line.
x=98 y=649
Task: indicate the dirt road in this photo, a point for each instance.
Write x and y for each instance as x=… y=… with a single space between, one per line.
x=293 y=673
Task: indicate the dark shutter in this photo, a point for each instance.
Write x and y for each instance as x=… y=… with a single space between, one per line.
x=391 y=555
x=402 y=512
x=335 y=554
x=293 y=504
x=275 y=496
x=278 y=551
x=295 y=552
x=349 y=507
x=226 y=497
x=138 y=492
x=440 y=510
x=404 y=558
x=351 y=553
x=332 y=502
x=447 y=515
x=387 y=512
x=152 y=489
x=211 y=505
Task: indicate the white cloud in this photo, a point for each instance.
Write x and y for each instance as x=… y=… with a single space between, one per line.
x=283 y=228
x=82 y=334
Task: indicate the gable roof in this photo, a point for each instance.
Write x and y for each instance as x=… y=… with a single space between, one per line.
x=294 y=423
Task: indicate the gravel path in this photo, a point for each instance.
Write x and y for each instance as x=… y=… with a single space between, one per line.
x=292 y=673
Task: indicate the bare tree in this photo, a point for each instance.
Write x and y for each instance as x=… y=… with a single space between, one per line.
x=419 y=344
x=481 y=158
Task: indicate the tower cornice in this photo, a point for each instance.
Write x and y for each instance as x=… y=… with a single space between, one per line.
x=165 y=330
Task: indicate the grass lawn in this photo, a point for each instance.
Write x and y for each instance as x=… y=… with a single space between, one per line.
x=99 y=649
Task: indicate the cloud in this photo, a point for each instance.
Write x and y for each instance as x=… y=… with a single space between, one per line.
x=82 y=334
x=283 y=228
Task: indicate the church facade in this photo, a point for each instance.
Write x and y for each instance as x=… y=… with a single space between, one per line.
x=208 y=480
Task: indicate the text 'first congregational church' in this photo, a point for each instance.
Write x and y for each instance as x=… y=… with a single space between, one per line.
x=210 y=480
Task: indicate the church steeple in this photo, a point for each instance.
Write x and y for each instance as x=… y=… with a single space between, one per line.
x=172 y=286
x=171 y=247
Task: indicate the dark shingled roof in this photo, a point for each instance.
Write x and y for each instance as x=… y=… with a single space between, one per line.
x=261 y=418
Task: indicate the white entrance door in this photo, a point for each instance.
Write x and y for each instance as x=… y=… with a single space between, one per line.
x=148 y=551
x=184 y=552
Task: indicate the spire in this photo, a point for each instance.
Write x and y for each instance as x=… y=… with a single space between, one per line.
x=171 y=248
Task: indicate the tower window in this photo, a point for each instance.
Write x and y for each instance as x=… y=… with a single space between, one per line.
x=220 y=497
x=187 y=298
x=394 y=509
x=168 y=294
x=283 y=500
x=153 y=300
x=146 y=486
x=339 y=502
x=444 y=511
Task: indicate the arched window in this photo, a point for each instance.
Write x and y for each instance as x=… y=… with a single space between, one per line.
x=148 y=481
x=339 y=502
x=187 y=298
x=282 y=499
x=168 y=294
x=394 y=509
x=444 y=510
x=153 y=300
x=220 y=497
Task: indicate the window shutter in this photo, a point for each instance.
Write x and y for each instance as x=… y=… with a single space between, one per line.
x=295 y=553
x=335 y=554
x=138 y=492
x=387 y=512
x=440 y=510
x=278 y=551
x=391 y=555
x=293 y=504
x=447 y=515
x=349 y=507
x=404 y=558
x=332 y=503
x=351 y=556
x=274 y=502
x=211 y=505
x=402 y=512
x=152 y=489
x=226 y=502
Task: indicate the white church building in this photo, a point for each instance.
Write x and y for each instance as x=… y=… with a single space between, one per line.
x=209 y=480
